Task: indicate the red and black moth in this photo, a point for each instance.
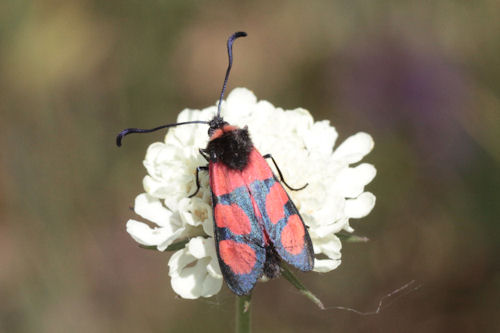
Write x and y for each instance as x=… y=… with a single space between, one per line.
x=256 y=225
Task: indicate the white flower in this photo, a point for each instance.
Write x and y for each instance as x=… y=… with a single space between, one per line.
x=304 y=151
x=194 y=270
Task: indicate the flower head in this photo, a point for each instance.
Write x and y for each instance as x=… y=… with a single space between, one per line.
x=303 y=149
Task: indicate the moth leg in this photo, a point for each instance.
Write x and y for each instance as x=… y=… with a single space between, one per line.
x=204 y=154
x=203 y=168
x=281 y=175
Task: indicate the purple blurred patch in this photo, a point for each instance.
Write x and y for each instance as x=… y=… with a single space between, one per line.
x=409 y=90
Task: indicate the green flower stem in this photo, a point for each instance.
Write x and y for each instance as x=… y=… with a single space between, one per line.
x=243 y=314
x=302 y=289
x=351 y=238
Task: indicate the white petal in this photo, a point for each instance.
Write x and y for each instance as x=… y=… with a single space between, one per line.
x=257 y=118
x=188 y=115
x=189 y=282
x=177 y=234
x=332 y=247
x=298 y=120
x=211 y=286
x=208 y=226
x=184 y=134
x=361 y=206
x=354 y=148
x=154 y=187
x=239 y=103
x=321 y=137
x=156 y=149
x=151 y=209
x=325 y=265
x=185 y=283
x=331 y=210
x=351 y=181
x=194 y=211
x=213 y=268
x=179 y=260
x=328 y=229
x=143 y=234
x=189 y=276
x=171 y=192
x=197 y=247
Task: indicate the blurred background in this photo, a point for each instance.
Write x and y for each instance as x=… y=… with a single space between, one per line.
x=423 y=78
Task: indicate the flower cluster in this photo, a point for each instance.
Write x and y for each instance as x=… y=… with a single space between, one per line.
x=304 y=151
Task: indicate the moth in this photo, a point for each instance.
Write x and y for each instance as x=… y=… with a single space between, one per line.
x=256 y=224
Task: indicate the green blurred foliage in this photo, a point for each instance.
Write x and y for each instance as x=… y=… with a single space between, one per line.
x=74 y=73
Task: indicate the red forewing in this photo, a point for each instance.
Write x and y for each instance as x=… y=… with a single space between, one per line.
x=252 y=210
x=238 y=230
x=282 y=221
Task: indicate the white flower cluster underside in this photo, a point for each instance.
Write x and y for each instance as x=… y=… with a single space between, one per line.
x=304 y=151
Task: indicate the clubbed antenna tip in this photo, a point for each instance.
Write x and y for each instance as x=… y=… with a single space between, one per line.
x=230 y=42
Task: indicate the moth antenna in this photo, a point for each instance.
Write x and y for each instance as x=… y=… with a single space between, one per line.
x=230 y=42
x=128 y=131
